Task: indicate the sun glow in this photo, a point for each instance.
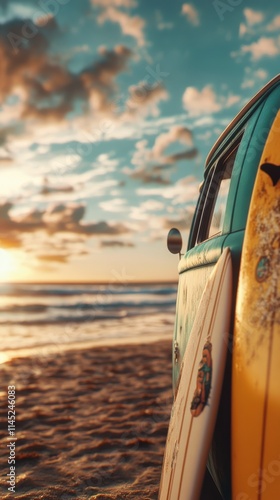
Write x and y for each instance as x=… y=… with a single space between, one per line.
x=7 y=264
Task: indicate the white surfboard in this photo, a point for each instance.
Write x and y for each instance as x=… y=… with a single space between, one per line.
x=196 y=403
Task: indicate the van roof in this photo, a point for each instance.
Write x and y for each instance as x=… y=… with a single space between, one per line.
x=259 y=95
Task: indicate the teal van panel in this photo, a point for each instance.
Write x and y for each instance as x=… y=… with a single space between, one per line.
x=240 y=160
x=252 y=159
x=207 y=252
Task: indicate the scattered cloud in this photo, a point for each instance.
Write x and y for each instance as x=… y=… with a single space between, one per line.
x=161 y=23
x=114 y=205
x=152 y=163
x=146 y=175
x=203 y=102
x=116 y=244
x=191 y=13
x=170 y=160
x=49 y=90
x=130 y=25
x=253 y=77
x=182 y=223
x=47 y=188
x=264 y=47
x=243 y=30
x=274 y=25
x=58 y=218
x=183 y=191
x=60 y=258
x=143 y=99
x=151 y=205
x=253 y=17
x=114 y=3
x=175 y=134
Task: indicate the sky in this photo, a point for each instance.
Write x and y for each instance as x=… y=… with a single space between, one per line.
x=108 y=109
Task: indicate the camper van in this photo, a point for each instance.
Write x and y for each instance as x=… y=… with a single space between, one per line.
x=219 y=222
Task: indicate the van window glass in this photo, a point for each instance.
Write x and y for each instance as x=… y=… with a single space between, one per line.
x=215 y=196
x=217 y=220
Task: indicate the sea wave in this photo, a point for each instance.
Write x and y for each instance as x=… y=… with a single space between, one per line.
x=72 y=290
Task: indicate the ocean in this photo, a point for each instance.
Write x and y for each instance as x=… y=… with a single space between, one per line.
x=43 y=318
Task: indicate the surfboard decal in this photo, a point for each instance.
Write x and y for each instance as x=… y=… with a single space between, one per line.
x=262 y=269
x=273 y=171
x=203 y=381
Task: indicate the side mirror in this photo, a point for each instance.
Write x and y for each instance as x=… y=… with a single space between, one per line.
x=174 y=241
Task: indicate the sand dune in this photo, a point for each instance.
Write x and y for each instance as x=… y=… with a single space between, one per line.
x=90 y=424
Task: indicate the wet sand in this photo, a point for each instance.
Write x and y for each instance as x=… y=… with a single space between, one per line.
x=90 y=424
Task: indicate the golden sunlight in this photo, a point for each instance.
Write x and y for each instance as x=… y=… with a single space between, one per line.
x=7 y=264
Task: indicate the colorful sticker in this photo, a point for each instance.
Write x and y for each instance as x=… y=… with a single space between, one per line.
x=203 y=381
x=262 y=269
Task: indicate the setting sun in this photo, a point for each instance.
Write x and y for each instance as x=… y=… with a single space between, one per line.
x=7 y=264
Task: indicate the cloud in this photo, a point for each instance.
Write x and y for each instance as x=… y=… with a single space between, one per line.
x=243 y=30
x=116 y=244
x=274 y=25
x=49 y=189
x=264 y=47
x=152 y=205
x=60 y=258
x=161 y=23
x=180 y=223
x=58 y=218
x=191 y=13
x=183 y=191
x=253 y=77
x=152 y=163
x=200 y=102
x=146 y=175
x=130 y=25
x=142 y=212
x=253 y=17
x=175 y=134
x=203 y=102
x=49 y=90
x=5 y=157
x=114 y=3
x=114 y=205
x=168 y=161
x=8 y=240
x=143 y=99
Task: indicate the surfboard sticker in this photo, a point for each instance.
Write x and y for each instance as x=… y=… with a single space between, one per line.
x=273 y=171
x=262 y=269
x=203 y=381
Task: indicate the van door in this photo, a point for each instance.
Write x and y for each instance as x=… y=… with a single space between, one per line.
x=206 y=243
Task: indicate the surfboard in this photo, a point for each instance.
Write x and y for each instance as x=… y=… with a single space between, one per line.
x=256 y=350
x=196 y=402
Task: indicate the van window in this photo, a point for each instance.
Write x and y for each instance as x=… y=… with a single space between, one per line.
x=217 y=220
x=214 y=196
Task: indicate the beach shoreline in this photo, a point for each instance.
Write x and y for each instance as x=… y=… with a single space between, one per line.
x=91 y=423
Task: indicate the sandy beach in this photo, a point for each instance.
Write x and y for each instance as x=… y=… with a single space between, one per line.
x=90 y=424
